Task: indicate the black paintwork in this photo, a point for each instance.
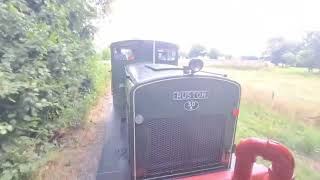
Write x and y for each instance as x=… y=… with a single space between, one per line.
x=114 y=162
x=144 y=72
x=176 y=133
x=142 y=51
x=149 y=92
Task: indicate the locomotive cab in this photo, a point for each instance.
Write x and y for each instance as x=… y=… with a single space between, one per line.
x=128 y=52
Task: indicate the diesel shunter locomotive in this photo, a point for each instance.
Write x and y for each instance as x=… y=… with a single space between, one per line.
x=181 y=121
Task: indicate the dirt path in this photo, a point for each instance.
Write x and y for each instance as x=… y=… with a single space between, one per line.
x=79 y=158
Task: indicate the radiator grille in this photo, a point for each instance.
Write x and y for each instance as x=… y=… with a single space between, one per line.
x=180 y=144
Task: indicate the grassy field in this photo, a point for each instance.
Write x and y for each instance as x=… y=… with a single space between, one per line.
x=303 y=140
x=282 y=104
x=292 y=92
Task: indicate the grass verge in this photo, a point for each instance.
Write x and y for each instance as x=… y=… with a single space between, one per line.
x=99 y=73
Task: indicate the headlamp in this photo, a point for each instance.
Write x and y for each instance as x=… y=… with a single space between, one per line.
x=195 y=65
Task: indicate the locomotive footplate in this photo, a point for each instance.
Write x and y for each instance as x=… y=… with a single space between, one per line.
x=114 y=162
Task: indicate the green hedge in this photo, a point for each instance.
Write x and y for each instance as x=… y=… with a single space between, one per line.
x=45 y=52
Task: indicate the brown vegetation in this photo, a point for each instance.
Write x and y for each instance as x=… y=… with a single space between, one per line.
x=240 y=64
x=81 y=148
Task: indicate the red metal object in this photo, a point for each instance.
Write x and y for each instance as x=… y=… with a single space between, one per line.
x=281 y=158
x=235 y=112
x=258 y=173
x=245 y=167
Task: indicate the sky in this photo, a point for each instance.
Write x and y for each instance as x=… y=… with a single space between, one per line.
x=237 y=27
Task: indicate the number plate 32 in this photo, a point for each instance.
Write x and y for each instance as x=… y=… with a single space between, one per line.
x=191 y=105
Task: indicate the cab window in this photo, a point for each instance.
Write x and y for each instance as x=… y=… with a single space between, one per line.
x=123 y=54
x=166 y=54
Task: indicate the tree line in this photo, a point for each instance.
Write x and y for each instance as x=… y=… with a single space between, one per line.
x=200 y=50
x=279 y=51
x=305 y=53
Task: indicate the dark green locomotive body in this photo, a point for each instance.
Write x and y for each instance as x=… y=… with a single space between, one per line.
x=179 y=123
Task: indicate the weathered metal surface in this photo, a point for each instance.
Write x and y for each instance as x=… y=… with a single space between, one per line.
x=114 y=163
x=179 y=136
x=128 y=52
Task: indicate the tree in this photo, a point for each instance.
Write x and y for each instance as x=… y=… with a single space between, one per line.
x=213 y=53
x=197 y=50
x=289 y=59
x=306 y=58
x=278 y=47
x=275 y=49
x=310 y=55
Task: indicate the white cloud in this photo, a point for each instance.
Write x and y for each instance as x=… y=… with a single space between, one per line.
x=233 y=26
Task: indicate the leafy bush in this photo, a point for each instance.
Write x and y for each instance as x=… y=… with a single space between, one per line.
x=45 y=47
